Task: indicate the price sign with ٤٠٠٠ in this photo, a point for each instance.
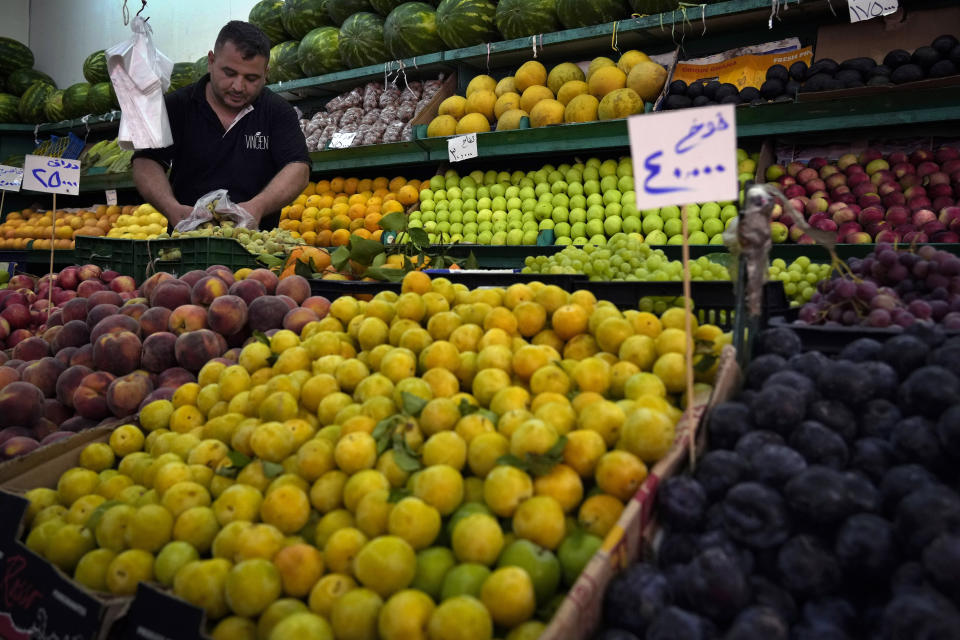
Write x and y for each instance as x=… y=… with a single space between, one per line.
x=51 y=175
x=684 y=156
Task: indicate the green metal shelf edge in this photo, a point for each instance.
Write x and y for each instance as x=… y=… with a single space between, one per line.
x=332 y=83
x=103 y=121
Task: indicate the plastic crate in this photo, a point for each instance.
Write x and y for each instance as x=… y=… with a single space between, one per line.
x=832 y=340
x=331 y=289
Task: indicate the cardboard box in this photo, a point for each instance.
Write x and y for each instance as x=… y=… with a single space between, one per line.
x=429 y=112
x=740 y=71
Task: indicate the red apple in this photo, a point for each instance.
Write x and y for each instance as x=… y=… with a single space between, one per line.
x=898 y=215
x=919 y=202
x=898 y=157
x=846 y=229
x=794 y=190
x=843 y=216
x=812 y=186
x=122 y=284
x=946 y=237
x=918 y=237
x=942 y=201
x=927 y=168
x=948 y=214
x=922 y=217
x=108 y=276
x=882 y=176
x=817 y=163
x=89 y=272
x=69 y=278
x=894 y=199
x=857 y=179
x=860 y=237
x=887 y=235
x=869 y=200
x=921 y=155
x=869 y=215
x=944 y=154
x=846 y=160
x=21 y=281
x=877 y=164
x=835 y=180
x=806 y=175
x=869 y=155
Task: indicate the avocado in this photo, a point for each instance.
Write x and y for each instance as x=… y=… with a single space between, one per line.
x=731 y=99
x=747 y=94
x=771 y=89
x=863 y=65
x=726 y=89
x=942 y=69
x=817 y=83
x=846 y=76
x=955 y=55
x=702 y=101
x=878 y=81
x=677 y=101
x=710 y=89
x=925 y=57
x=944 y=44
x=826 y=65
x=881 y=70
x=852 y=83
x=896 y=58
x=798 y=70
x=792 y=87
x=778 y=72
x=695 y=90
x=678 y=87
x=906 y=73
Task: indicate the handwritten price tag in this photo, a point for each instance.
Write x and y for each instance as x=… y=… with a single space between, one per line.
x=462 y=147
x=684 y=156
x=111 y=197
x=51 y=175
x=10 y=178
x=342 y=139
x=865 y=9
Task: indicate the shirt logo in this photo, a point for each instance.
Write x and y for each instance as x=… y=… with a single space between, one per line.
x=257 y=141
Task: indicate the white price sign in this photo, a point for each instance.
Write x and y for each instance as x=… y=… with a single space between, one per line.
x=683 y=156
x=51 y=175
x=462 y=147
x=865 y=9
x=342 y=139
x=10 y=178
x=111 y=197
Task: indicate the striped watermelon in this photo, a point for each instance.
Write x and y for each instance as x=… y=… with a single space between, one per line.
x=411 y=30
x=284 y=65
x=521 y=18
x=14 y=55
x=577 y=13
x=32 y=102
x=266 y=15
x=319 y=52
x=95 y=67
x=340 y=10
x=384 y=7
x=361 y=40
x=464 y=23
x=19 y=80
x=200 y=67
x=75 y=100
x=652 y=7
x=101 y=98
x=53 y=109
x=300 y=17
x=9 y=108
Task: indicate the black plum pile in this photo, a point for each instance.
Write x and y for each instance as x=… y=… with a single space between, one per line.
x=891 y=288
x=825 y=505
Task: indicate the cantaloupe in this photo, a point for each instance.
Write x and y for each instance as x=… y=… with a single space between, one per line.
x=619 y=104
x=506 y=102
x=599 y=63
x=529 y=74
x=481 y=83
x=647 y=79
x=606 y=80
x=510 y=119
x=444 y=125
x=582 y=108
x=506 y=85
x=546 y=112
x=453 y=106
x=571 y=90
x=473 y=123
x=563 y=73
x=482 y=101
x=630 y=58
x=534 y=94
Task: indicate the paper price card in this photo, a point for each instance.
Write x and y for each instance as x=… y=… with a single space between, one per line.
x=111 y=197
x=684 y=156
x=865 y=9
x=462 y=147
x=10 y=178
x=342 y=139
x=51 y=175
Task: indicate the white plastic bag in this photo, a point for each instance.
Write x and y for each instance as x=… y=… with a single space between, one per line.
x=216 y=207
x=140 y=75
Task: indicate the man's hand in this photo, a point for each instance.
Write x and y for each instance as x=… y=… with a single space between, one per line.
x=177 y=213
x=254 y=210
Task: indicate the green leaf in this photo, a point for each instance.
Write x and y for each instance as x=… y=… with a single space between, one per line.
x=412 y=405
x=404 y=460
x=269 y=260
x=489 y=415
x=383 y=427
x=439 y=263
x=419 y=239
x=399 y=493
x=396 y=221
x=385 y=274
x=704 y=363
x=466 y=408
x=513 y=461
x=97 y=514
x=303 y=269
x=272 y=469
x=363 y=251
x=228 y=472
x=379 y=260
x=340 y=258
x=724 y=259
x=237 y=459
x=260 y=336
x=557 y=448
x=471 y=262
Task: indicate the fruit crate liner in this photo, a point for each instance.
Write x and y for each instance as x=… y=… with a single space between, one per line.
x=832 y=340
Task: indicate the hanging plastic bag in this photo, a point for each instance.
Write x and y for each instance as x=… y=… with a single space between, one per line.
x=140 y=76
x=216 y=207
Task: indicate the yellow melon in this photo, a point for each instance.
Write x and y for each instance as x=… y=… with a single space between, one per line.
x=630 y=58
x=481 y=83
x=562 y=74
x=453 y=106
x=571 y=90
x=529 y=74
x=619 y=104
x=605 y=80
x=506 y=102
x=445 y=125
x=482 y=101
x=647 y=79
x=534 y=94
x=599 y=63
x=582 y=108
x=511 y=119
x=546 y=112
x=473 y=123
x=507 y=85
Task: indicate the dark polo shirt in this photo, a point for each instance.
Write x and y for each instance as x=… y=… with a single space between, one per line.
x=204 y=157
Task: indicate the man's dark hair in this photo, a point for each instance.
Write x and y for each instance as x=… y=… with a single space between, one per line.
x=249 y=40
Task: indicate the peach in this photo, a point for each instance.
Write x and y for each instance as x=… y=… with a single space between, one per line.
x=297 y=319
x=17 y=336
x=297 y=287
x=190 y=278
x=187 y=317
x=63 y=296
x=17 y=315
x=77 y=423
x=43 y=374
x=55 y=412
x=90 y=398
x=153 y=281
x=318 y=304
x=114 y=324
x=222 y=272
x=90 y=272
x=121 y=284
x=266 y=277
x=208 y=289
x=89 y=287
x=175 y=377
x=134 y=310
x=195 y=348
x=100 y=312
x=75 y=309
x=233 y=355
x=83 y=355
x=108 y=275
x=227 y=314
x=56 y=436
x=267 y=313
x=54 y=320
x=16 y=447
x=14 y=432
x=69 y=278
x=21 y=281
x=117 y=353
x=32 y=348
x=44 y=427
x=104 y=297
x=75 y=333
x=125 y=394
x=157 y=354
x=170 y=294
x=21 y=405
x=65 y=354
x=49 y=334
x=4 y=328
x=163 y=393
x=154 y=320
x=8 y=375
x=290 y=302
x=239 y=338
x=247 y=289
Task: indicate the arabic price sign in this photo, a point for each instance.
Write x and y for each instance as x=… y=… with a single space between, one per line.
x=462 y=147
x=111 y=197
x=865 y=9
x=51 y=175
x=684 y=156
x=10 y=178
x=342 y=139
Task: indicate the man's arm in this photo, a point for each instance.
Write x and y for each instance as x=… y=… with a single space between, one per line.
x=280 y=191
x=152 y=183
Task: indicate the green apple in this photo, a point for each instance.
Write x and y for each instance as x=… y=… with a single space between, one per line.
x=612 y=196
x=672 y=211
x=541 y=565
x=699 y=237
x=469 y=216
x=414 y=215
x=694 y=225
x=456 y=237
x=528 y=216
x=609 y=183
x=470 y=238
x=437 y=182
x=573 y=175
x=577 y=202
x=677 y=239
x=514 y=237
x=631 y=224
x=580 y=242
x=440 y=194
x=433 y=238
x=625 y=167
x=594 y=200
x=497 y=190
x=577 y=215
x=778 y=231
x=533 y=226
x=464 y=580
x=486 y=225
x=560 y=214
x=454 y=193
x=672 y=227
x=554 y=176
x=428 y=205
x=652 y=223
x=574 y=189
x=630 y=211
x=498 y=216
x=483 y=192
x=428 y=216
x=656 y=237
x=443 y=227
x=742 y=155
x=543 y=210
x=709 y=210
x=575 y=552
x=713 y=226
x=442 y=205
x=499 y=238
x=504 y=176
x=717 y=239
x=530 y=237
x=560 y=200
x=608 y=167
x=499 y=202
x=529 y=204
x=562 y=229
x=598 y=239
x=527 y=193
x=456 y=204
x=470 y=180
x=542 y=188
x=729 y=212
x=578 y=230
x=527 y=182
x=430 y=226
x=563 y=241
x=415 y=224
x=490 y=177
x=443 y=215
x=629 y=197
x=596 y=212
x=558 y=187
x=470 y=204
x=625 y=183
x=612 y=225
x=591 y=187
x=513 y=191
x=484 y=203
x=456 y=216
x=514 y=203
x=612 y=209
x=594 y=227
x=470 y=227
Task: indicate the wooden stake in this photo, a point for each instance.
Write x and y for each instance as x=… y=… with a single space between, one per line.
x=53 y=238
x=687 y=321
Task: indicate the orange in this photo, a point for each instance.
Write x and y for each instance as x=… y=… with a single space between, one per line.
x=397 y=183
x=408 y=195
x=391 y=206
x=381 y=182
x=340 y=221
x=336 y=185
x=372 y=222
x=324 y=237
x=350 y=186
x=357 y=211
x=363 y=233
x=340 y=238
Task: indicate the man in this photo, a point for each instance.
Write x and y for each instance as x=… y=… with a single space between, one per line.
x=229 y=132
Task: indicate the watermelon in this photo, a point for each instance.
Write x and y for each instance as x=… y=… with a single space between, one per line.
x=522 y=18
x=200 y=68
x=319 y=52
x=14 y=55
x=183 y=73
x=9 y=108
x=464 y=23
x=577 y=13
x=652 y=7
x=361 y=40
x=384 y=7
x=340 y=10
x=284 y=64
x=53 y=109
x=75 y=100
x=300 y=17
x=19 y=80
x=266 y=15
x=32 y=102
x=411 y=30
x=101 y=98
x=95 y=67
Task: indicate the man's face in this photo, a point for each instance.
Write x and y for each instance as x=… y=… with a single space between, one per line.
x=236 y=82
